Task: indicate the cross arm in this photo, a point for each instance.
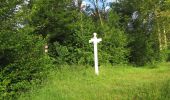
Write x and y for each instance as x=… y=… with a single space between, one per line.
x=90 y=41
x=99 y=40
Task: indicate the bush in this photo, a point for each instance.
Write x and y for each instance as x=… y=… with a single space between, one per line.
x=76 y=49
x=24 y=62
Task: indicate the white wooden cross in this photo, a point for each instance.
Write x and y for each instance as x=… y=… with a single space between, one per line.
x=95 y=40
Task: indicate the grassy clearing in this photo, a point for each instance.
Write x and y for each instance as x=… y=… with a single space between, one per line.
x=113 y=83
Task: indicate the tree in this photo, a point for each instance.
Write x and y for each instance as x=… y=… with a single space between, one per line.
x=138 y=17
x=22 y=58
x=68 y=35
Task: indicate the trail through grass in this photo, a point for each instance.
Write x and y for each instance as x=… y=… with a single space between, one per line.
x=113 y=83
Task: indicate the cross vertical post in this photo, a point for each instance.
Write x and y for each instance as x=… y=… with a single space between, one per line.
x=95 y=40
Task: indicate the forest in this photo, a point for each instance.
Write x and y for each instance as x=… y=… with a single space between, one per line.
x=40 y=36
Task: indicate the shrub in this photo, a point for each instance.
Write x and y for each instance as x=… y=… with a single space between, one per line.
x=24 y=62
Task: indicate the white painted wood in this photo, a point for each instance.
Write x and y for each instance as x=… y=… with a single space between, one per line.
x=95 y=40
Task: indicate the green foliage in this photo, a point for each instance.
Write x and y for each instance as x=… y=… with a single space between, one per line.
x=143 y=49
x=67 y=32
x=23 y=62
x=112 y=49
x=143 y=34
x=168 y=54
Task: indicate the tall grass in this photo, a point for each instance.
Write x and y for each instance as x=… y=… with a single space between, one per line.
x=113 y=83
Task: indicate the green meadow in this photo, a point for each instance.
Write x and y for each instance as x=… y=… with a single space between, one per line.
x=113 y=83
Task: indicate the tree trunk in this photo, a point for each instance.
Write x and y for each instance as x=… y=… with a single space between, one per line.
x=165 y=38
x=159 y=37
x=98 y=12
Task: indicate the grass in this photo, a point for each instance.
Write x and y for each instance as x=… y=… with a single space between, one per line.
x=113 y=83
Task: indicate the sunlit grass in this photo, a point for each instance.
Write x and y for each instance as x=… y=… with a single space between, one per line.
x=113 y=83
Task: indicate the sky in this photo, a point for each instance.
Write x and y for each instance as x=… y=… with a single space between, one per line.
x=107 y=7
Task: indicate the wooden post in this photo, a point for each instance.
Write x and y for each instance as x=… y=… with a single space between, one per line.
x=95 y=40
